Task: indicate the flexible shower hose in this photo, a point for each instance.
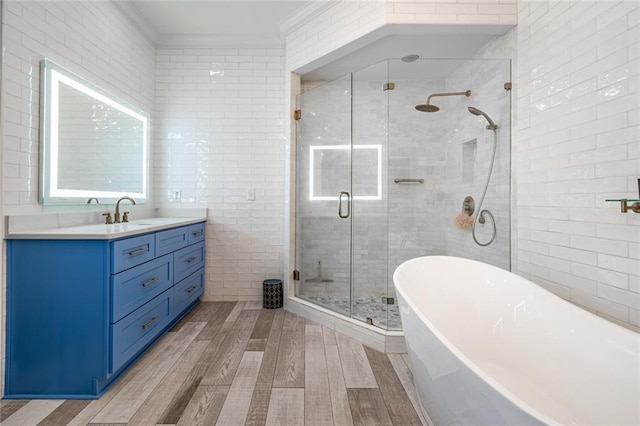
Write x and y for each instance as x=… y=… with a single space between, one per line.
x=480 y=215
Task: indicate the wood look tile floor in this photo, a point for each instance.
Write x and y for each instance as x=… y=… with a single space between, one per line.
x=233 y=363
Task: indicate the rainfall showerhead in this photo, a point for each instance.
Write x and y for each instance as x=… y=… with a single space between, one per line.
x=427 y=108
x=476 y=111
x=432 y=108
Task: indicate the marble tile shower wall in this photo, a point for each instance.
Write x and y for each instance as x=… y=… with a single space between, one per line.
x=97 y=41
x=577 y=142
x=469 y=146
x=416 y=221
x=370 y=217
x=342 y=22
x=322 y=238
x=407 y=221
x=220 y=137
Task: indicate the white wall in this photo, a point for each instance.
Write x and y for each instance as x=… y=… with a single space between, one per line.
x=577 y=143
x=469 y=148
x=575 y=137
x=220 y=138
x=327 y=29
x=95 y=40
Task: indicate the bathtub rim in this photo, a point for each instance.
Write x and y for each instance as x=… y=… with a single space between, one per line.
x=512 y=397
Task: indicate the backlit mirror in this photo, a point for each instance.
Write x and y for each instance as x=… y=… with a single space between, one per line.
x=94 y=145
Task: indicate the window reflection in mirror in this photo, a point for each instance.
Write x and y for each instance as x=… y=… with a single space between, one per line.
x=93 y=144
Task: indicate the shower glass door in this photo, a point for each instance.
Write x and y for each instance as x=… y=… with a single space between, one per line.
x=371 y=299
x=324 y=196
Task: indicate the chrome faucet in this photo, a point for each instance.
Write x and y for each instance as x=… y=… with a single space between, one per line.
x=116 y=216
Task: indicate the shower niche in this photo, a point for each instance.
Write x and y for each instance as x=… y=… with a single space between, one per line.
x=378 y=180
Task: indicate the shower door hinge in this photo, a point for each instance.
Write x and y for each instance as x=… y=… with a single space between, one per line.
x=388 y=300
x=296 y=275
x=369 y=320
x=508 y=85
x=388 y=86
x=297 y=114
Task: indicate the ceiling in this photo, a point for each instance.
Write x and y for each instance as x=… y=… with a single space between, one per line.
x=367 y=61
x=171 y=21
x=198 y=18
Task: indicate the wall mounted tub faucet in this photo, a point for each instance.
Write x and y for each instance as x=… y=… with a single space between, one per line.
x=116 y=216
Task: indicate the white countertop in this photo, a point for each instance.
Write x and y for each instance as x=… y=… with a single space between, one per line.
x=103 y=231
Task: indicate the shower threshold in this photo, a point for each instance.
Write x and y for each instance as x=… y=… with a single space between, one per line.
x=389 y=341
x=382 y=315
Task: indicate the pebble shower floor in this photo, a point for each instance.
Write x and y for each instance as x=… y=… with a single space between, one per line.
x=383 y=315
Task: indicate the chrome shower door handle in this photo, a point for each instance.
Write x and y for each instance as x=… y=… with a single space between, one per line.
x=344 y=216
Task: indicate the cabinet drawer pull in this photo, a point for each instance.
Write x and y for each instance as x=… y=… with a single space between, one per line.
x=192 y=259
x=196 y=234
x=151 y=281
x=191 y=289
x=147 y=325
x=139 y=251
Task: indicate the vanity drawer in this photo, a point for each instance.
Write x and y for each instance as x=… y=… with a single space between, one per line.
x=132 y=252
x=171 y=240
x=135 y=287
x=187 y=291
x=134 y=332
x=196 y=233
x=187 y=261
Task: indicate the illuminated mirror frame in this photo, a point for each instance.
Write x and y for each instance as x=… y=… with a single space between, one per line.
x=51 y=77
x=316 y=148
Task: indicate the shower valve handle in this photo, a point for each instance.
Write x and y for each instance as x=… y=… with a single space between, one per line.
x=340 y=214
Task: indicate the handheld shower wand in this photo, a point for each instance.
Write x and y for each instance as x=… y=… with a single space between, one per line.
x=476 y=111
x=481 y=213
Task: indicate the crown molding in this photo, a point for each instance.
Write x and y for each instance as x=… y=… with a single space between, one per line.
x=137 y=19
x=175 y=41
x=303 y=15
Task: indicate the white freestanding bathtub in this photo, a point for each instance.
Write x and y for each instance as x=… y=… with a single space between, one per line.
x=488 y=347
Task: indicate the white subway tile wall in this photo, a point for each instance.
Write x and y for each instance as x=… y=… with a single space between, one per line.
x=575 y=141
x=333 y=27
x=95 y=40
x=346 y=21
x=451 y=12
x=220 y=120
x=576 y=145
x=220 y=140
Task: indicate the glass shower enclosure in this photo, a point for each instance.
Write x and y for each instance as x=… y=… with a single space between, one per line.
x=379 y=182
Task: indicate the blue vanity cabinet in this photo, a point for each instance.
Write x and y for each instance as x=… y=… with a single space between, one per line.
x=80 y=312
